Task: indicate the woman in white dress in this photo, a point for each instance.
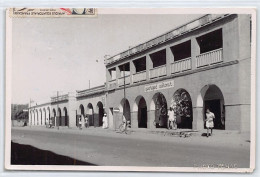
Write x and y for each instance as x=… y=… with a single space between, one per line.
x=209 y=121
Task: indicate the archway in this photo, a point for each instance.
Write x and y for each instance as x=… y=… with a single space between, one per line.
x=182 y=106
x=44 y=116
x=48 y=115
x=53 y=118
x=66 y=119
x=125 y=109
x=81 y=112
x=40 y=120
x=213 y=99
x=141 y=108
x=90 y=114
x=159 y=105
x=37 y=117
x=59 y=118
x=100 y=115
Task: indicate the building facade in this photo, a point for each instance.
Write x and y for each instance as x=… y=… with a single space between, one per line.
x=202 y=64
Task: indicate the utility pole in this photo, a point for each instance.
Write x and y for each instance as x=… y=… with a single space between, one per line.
x=89 y=84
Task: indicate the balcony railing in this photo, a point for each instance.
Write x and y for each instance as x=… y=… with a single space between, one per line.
x=112 y=84
x=158 y=71
x=121 y=81
x=140 y=76
x=211 y=57
x=181 y=65
x=60 y=98
x=200 y=22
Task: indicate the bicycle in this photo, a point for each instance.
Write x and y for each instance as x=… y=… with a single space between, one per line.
x=123 y=127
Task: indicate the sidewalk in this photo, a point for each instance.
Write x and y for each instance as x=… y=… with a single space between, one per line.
x=225 y=138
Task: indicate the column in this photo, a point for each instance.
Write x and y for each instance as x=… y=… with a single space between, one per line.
x=198 y=118
x=149 y=65
x=30 y=118
x=118 y=74
x=169 y=60
x=134 y=121
x=132 y=71
x=150 y=119
x=108 y=78
x=195 y=51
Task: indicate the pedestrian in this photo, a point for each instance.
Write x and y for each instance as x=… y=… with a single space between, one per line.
x=47 y=122
x=80 y=123
x=50 y=126
x=86 y=121
x=209 y=121
x=105 y=124
x=124 y=122
x=172 y=119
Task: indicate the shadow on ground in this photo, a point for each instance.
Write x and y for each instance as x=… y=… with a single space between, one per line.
x=29 y=155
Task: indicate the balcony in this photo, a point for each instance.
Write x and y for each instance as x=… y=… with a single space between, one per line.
x=140 y=76
x=181 y=65
x=112 y=84
x=121 y=81
x=158 y=71
x=60 y=98
x=208 y=58
x=196 y=24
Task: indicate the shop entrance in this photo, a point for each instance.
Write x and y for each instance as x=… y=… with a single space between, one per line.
x=160 y=111
x=142 y=114
x=125 y=109
x=100 y=114
x=214 y=101
x=90 y=114
x=182 y=106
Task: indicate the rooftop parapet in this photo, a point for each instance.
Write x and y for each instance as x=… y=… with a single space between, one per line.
x=91 y=91
x=193 y=25
x=64 y=97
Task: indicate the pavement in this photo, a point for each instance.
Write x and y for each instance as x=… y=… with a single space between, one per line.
x=140 y=147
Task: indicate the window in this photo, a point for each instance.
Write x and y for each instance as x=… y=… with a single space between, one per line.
x=125 y=68
x=158 y=58
x=140 y=64
x=210 y=41
x=181 y=51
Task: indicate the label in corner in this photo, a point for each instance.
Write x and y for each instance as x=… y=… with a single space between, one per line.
x=52 y=12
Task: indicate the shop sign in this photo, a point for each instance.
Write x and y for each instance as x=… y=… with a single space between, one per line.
x=115 y=109
x=159 y=86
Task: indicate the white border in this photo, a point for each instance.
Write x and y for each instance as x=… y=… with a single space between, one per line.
x=8 y=87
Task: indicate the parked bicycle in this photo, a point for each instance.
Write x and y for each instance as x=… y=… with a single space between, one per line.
x=124 y=126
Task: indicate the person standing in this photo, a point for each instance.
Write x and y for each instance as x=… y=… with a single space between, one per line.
x=209 y=121
x=105 y=124
x=124 y=122
x=172 y=119
x=86 y=121
x=80 y=123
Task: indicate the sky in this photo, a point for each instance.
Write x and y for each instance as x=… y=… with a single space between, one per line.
x=64 y=54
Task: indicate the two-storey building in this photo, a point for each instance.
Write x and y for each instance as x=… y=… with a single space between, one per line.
x=201 y=64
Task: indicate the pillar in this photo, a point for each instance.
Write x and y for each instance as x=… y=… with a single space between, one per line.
x=195 y=51
x=149 y=65
x=132 y=71
x=198 y=118
x=150 y=119
x=134 y=117
x=169 y=60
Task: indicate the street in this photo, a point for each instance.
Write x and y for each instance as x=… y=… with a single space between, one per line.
x=137 y=149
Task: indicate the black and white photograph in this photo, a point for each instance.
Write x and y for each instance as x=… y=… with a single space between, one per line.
x=130 y=89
